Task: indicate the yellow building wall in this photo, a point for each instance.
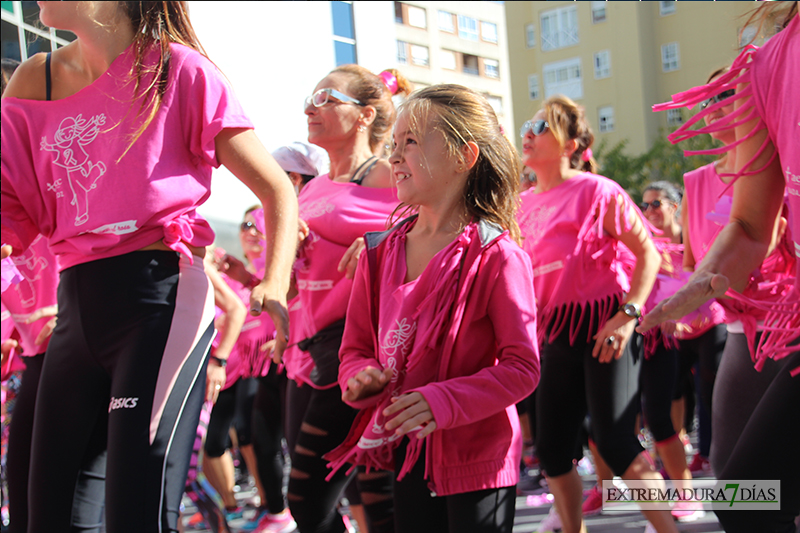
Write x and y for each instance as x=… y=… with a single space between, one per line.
x=633 y=32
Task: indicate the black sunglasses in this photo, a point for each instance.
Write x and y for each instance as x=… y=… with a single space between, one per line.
x=718 y=98
x=655 y=204
x=535 y=127
x=247 y=226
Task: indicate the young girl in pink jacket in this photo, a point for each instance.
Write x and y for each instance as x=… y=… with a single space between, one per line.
x=439 y=342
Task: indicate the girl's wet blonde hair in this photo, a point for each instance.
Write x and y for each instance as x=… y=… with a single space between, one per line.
x=461 y=115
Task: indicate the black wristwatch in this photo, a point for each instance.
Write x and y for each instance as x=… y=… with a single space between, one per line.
x=221 y=362
x=631 y=309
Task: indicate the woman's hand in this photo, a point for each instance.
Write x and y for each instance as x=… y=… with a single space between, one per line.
x=215 y=380
x=47 y=329
x=412 y=410
x=302 y=231
x=700 y=288
x=350 y=258
x=263 y=299
x=612 y=338
x=235 y=269
x=366 y=383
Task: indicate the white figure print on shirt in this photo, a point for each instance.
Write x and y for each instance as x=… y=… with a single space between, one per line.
x=30 y=266
x=69 y=143
x=534 y=220
x=396 y=344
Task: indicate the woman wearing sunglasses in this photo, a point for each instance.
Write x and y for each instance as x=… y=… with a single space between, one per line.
x=350 y=115
x=575 y=226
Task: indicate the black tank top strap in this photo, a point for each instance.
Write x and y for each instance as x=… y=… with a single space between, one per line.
x=48 y=82
x=359 y=176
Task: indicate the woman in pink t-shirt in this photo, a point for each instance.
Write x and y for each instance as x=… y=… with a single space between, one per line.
x=350 y=114
x=580 y=230
x=765 y=119
x=108 y=147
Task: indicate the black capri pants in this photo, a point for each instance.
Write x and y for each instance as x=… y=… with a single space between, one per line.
x=572 y=384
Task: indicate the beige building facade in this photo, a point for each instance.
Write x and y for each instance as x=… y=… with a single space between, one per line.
x=457 y=42
x=617 y=59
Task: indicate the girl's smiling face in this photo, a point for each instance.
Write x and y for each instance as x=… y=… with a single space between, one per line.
x=423 y=163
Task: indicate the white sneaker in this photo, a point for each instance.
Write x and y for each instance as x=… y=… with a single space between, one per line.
x=551 y=523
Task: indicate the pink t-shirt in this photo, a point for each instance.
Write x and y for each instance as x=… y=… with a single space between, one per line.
x=35 y=291
x=577 y=266
x=336 y=214
x=65 y=173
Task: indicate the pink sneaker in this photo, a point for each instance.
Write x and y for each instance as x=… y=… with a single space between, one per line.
x=593 y=504
x=277 y=523
x=700 y=466
x=685 y=511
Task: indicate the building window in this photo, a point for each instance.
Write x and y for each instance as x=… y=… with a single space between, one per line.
x=598 y=12
x=344 y=36
x=489 y=32
x=398 y=12
x=602 y=65
x=530 y=35
x=533 y=86
x=446 y=22
x=670 y=57
x=666 y=8
x=674 y=117
x=23 y=35
x=470 y=65
x=559 y=28
x=467 y=28
x=564 y=77
x=605 y=118
x=417 y=17
x=419 y=55
x=402 y=52
x=448 y=59
x=496 y=102
x=491 y=68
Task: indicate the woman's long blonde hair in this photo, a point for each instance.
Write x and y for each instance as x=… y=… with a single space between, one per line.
x=568 y=121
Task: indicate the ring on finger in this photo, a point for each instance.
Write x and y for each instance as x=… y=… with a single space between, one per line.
x=610 y=340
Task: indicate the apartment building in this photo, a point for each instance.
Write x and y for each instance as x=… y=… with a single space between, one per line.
x=456 y=42
x=617 y=59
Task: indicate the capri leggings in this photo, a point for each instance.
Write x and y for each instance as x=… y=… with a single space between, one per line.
x=418 y=511
x=124 y=372
x=235 y=402
x=766 y=447
x=664 y=372
x=574 y=383
x=268 y=436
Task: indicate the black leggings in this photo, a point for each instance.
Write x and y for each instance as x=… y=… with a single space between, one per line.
x=268 y=436
x=663 y=373
x=766 y=447
x=87 y=511
x=235 y=402
x=572 y=383
x=124 y=372
x=418 y=511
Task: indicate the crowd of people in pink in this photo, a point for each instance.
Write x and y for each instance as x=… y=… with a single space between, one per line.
x=421 y=311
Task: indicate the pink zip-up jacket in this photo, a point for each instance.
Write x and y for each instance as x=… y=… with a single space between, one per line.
x=769 y=76
x=35 y=291
x=472 y=362
x=64 y=174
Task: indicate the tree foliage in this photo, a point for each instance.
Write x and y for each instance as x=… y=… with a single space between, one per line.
x=663 y=161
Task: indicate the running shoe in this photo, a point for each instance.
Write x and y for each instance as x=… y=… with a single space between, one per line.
x=234 y=514
x=700 y=466
x=197 y=521
x=254 y=522
x=551 y=523
x=277 y=523
x=593 y=504
x=685 y=511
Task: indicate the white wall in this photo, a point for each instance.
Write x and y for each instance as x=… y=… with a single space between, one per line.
x=273 y=53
